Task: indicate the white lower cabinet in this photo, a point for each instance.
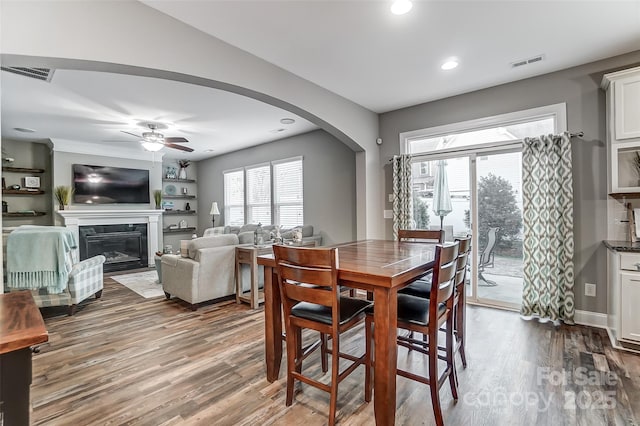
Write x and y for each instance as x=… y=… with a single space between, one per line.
x=624 y=296
x=629 y=304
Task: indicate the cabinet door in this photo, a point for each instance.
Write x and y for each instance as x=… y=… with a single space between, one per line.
x=627 y=107
x=629 y=302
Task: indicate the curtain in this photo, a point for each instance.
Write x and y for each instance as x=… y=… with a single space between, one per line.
x=548 y=228
x=402 y=196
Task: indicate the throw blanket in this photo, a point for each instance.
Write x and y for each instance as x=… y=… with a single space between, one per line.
x=39 y=257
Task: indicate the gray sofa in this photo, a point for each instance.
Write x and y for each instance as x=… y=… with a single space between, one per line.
x=245 y=233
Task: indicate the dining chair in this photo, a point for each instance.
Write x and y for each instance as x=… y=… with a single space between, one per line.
x=422 y=288
x=427 y=316
x=421 y=235
x=308 y=282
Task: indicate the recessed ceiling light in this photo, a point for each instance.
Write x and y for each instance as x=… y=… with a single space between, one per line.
x=400 y=7
x=208 y=150
x=277 y=130
x=23 y=130
x=449 y=65
x=287 y=121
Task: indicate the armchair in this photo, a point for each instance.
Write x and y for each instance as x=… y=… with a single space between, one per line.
x=207 y=273
x=40 y=259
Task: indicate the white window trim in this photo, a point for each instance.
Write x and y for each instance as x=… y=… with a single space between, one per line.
x=558 y=111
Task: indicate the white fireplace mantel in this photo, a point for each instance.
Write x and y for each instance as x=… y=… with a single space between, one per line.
x=74 y=219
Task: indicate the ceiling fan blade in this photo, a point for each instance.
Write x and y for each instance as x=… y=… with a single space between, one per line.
x=175 y=140
x=132 y=134
x=180 y=147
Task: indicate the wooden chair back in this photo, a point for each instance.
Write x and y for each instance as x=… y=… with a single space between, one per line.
x=464 y=248
x=307 y=275
x=421 y=235
x=444 y=273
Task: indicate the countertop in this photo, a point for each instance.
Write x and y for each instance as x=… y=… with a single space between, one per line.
x=625 y=246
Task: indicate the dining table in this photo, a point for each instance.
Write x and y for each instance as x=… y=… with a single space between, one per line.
x=380 y=267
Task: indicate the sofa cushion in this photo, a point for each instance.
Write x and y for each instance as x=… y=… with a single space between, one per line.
x=232 y=229
x=212 y=241
x=307 y=231
x=249 y=227
x=245 y=237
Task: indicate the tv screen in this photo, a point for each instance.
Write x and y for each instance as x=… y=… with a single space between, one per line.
x=110 y=185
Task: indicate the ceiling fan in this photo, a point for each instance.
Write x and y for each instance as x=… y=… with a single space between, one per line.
x=155 y=141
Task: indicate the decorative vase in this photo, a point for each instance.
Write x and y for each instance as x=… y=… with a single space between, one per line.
x=182 y=174
x=187 y=207
x=61 y=207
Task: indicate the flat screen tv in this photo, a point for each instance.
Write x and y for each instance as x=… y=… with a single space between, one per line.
x=110 y=185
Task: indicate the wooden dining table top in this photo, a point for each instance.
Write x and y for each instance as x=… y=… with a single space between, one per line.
x=380 y=263
x=21 y=324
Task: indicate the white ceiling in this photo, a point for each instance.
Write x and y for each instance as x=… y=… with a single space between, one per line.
x=356 y=49
x=95 y=107
x=359 y=50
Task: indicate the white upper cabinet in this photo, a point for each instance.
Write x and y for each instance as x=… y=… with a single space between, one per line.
x=624 y=90
x=623 y=129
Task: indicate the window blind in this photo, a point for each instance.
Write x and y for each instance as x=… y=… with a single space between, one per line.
x=288 y=193
x=234 y=198
x=259 y=194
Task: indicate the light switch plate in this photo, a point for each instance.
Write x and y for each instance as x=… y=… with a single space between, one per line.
x=388 y=214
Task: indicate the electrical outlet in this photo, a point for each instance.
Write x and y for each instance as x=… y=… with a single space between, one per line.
x=589 y=289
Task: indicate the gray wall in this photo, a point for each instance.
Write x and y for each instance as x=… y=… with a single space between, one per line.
x=329 y=181
x=579 y=88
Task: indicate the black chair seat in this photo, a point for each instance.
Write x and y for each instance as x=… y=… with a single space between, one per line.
x=419 y=288
x=415 y=310
x=349 y=308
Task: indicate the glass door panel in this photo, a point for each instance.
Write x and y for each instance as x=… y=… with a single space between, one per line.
x=499 y=273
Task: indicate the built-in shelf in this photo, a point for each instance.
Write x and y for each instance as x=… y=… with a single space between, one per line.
x=189 y=230
x=175 y=197
x=22 y=170
x=179 y=212
x=620 y=195
x=21 y=192
x=179 y=180
x=23 y=214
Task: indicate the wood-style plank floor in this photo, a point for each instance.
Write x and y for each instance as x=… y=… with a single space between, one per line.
x=129 y=360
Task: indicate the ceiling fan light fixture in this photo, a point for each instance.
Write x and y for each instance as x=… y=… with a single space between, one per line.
x=153 y=137
x=152 y=146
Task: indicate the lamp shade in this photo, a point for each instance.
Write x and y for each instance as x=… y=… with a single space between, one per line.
x=214 y=208
x=152 y=146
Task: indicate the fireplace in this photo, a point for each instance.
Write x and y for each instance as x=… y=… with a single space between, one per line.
x=123 y=245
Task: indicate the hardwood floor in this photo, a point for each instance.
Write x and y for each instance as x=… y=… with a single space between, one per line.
x=124 y=359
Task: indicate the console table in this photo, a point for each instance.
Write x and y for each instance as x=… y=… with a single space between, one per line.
x=21 y=326
x=248 y=255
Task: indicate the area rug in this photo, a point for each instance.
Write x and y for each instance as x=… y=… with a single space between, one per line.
x=144 y=283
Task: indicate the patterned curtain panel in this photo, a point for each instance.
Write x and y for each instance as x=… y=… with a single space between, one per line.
x=548 y=228
x=402 y=200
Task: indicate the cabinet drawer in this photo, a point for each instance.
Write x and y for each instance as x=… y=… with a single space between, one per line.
x=630 y=262
x=244 y=256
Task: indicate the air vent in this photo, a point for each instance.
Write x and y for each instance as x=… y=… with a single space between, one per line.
x=43 y=74
x=529 y=61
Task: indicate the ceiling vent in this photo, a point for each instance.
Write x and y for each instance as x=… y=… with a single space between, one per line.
x=43 y=74
x=527 y=61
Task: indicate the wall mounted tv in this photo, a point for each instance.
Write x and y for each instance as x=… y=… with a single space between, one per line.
x=110 y=185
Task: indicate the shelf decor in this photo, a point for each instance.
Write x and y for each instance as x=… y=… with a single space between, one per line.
x=63 y=195
x=182 y=174
x=157 y=197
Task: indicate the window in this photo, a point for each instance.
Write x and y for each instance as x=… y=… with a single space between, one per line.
x=259 y=194
x=234 y=197
x=285 y=208
x=287 y=188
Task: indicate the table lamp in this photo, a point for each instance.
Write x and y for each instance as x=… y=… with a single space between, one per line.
x=214 y=211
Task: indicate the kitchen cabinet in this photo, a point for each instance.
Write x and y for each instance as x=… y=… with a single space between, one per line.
x=624 y=298
x=623 y=129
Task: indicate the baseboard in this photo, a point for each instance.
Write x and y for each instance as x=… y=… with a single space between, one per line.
x=592 y=319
